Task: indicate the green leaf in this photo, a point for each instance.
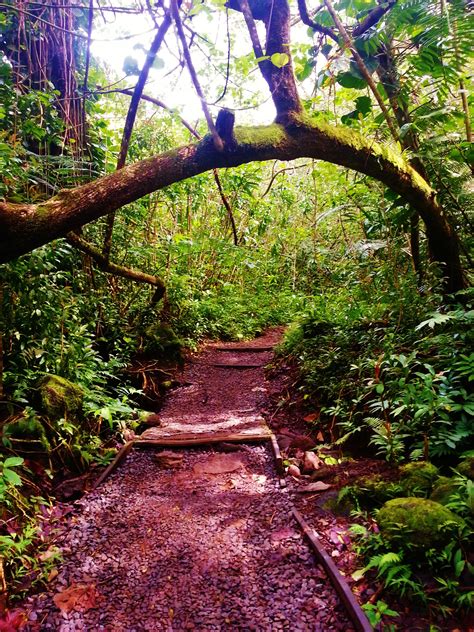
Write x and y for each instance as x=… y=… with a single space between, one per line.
x=388 y=558
x=436 y=319
x=13 y=461
x=279 y=59
x=12 y=477
x=348 y=80
x=358 y=575
x=305 y=71
x=348 y=118
x=363 y=105
x=106 y=413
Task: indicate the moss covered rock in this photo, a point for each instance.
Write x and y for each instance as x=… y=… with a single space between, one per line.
x=443 y=489
x=420 y=520
x=417 y=479
x=160 y=341
x=60 y=397
x=466 y=467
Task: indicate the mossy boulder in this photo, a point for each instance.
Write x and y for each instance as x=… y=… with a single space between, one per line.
x=443 y=489
x=159 y=341
x=423 y=522
x=417 y=479
x=60 y=397
x=466 y=467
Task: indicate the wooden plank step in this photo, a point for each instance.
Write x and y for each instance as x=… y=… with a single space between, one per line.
x=202 y=439
x=242 y=349
x=235 y=365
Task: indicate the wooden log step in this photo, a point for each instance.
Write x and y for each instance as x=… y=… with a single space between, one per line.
x=238 y=365
x=202 y=439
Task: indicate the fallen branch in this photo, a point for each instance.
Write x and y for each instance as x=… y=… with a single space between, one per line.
x=107 y=266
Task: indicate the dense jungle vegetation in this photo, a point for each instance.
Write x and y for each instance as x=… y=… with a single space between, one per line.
x=348 y=219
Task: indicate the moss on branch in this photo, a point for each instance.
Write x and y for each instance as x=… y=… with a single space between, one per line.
x=261 y=136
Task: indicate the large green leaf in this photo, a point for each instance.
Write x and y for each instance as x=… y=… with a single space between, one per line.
x=11 y=476
x=13 y=461
x=349 y=80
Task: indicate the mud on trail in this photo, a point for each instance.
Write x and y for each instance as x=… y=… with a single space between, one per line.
x=200 y=538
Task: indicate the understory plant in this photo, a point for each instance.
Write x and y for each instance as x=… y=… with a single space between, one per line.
x=28 y=523
x=403 y=387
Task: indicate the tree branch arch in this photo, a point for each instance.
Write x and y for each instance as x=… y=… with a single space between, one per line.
x=24 y=227
x=293 y=135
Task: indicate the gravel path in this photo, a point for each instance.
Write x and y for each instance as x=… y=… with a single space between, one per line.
x=204 y=542
x=181 y=549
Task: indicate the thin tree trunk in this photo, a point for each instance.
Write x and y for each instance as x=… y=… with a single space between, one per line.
x=130 y=120
x=1 y=352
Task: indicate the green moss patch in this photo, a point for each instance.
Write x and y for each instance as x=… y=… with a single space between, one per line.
x=426 y=523
x=443 y=490
x=261 y=135
x=466 y=467
x=373 y=491
x=417 y=479
x=160 y=342
x=60 y=397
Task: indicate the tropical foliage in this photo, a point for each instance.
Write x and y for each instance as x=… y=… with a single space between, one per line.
x=379 y=348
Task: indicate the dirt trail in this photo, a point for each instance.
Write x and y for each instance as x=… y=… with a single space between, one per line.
x=226 y=389
x=205 y=542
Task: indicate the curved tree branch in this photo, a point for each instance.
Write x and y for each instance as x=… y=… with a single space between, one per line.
x=319 y=28
x=27 y=226
x=277 y=173
x=105 y=265
x=373 y=17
